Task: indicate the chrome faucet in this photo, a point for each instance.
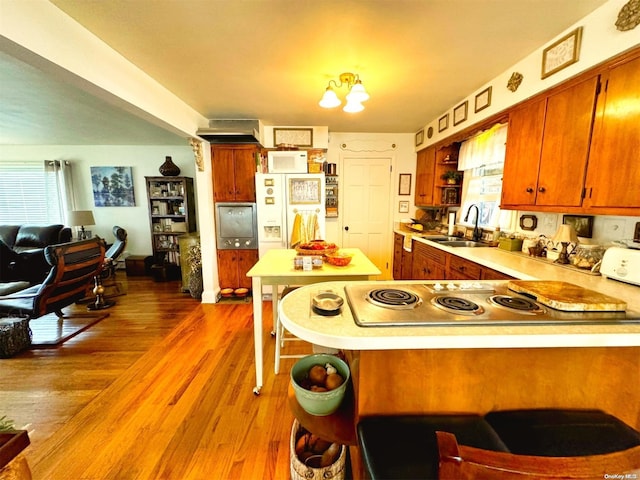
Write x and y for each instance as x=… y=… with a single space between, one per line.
x=476 y=231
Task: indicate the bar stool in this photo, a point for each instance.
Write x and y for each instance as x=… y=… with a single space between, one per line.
x=282 y=336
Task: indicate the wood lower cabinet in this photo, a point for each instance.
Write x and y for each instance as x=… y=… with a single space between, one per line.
x=461 y=269
x=233 y=266
x=429 y=263
x=233 y=170
x=491 y=274
x=402 y=260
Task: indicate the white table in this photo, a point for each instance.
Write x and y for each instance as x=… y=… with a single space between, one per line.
x=276 y=268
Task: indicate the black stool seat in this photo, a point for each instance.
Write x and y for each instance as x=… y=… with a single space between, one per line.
x=562 y=433
x=405 y=446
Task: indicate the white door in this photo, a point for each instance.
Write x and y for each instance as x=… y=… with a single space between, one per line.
x=366 y=194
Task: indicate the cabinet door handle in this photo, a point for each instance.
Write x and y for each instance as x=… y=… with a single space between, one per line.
x=542 y=189
x=529 y=190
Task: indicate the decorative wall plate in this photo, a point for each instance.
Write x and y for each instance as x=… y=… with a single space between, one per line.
x=528 y=222
x=629 y=16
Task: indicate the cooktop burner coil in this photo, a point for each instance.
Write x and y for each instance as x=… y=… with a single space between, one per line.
x=457 y=305
x=393 y=298
x=522 y=305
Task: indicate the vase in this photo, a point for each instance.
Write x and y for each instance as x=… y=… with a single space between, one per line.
x=195 y=283
x=168 y=168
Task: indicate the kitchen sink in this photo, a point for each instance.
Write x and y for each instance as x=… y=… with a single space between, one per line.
x=462 y=243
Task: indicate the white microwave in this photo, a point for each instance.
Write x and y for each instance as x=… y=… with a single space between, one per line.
x=287 y=161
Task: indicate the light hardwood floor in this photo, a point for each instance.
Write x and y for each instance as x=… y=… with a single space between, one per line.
x=160 y=389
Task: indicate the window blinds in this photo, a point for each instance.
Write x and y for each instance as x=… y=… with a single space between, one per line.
x=31 y=192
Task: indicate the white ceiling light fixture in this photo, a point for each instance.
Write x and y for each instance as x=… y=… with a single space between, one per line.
x=357 y=94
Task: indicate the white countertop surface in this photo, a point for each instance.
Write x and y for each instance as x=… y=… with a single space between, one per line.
x=341 y=331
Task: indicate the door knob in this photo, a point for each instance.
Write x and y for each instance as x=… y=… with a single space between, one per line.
x=346 y=229
x=542 y=189
x=529 y=190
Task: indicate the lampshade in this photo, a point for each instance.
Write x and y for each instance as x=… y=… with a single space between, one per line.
x=353 y=106
x=358 y=93
x=566 y=233
x=329 y=99
x=79 y=218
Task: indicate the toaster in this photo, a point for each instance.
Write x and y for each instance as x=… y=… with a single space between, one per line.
x=621 y=264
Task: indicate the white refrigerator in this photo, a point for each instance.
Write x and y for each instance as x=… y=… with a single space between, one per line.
x=280 y=197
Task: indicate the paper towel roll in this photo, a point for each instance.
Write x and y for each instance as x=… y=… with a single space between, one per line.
x=452 y=223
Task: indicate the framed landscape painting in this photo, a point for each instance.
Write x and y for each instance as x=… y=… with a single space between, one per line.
x=112 y=187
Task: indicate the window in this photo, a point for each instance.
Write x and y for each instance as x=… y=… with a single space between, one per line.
x=34 y=192
x=482 y=159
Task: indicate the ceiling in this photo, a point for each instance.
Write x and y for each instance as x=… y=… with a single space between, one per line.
x=272 y=60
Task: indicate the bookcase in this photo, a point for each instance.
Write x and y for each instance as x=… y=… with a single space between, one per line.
x=171 y=214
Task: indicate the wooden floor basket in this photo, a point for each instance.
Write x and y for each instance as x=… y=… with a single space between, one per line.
x=300 y=471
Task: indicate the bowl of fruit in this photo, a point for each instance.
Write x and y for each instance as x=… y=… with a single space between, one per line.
x=320 y=382
x=339 y=259
x=316 y=247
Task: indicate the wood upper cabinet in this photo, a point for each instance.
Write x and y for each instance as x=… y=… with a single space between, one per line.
x=613 y=176
x=234 y=169
x=522 y=157
x=548 y=148
x=425 y=176
x=431 y=163
x=233 y=266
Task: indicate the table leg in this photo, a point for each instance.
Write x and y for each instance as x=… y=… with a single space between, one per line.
x=256 y=285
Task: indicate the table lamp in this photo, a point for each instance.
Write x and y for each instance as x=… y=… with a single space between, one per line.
x=80 y=218
x=565 y=235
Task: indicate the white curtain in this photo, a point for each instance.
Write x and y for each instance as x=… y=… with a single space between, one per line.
x=63 y=180
x=482 y=159
x=485 y=148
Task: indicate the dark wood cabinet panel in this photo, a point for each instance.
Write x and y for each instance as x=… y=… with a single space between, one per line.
x=548 y=147
x=402 y=259
x=425 y=176
x=461 y=269
x=397 y=256
x=565 y=144
x=491 y=274
x=233 y=266
x=613 y=177
x=233 y=168
x=522 y=157
x=429 y=263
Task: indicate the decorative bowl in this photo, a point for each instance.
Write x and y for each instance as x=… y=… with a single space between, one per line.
x=319 y=403
x=339 y=259
x=316 y=247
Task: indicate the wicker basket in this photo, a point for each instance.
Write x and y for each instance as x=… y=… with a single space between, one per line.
x=300 y=471
x=326 y=251
x=15 y=335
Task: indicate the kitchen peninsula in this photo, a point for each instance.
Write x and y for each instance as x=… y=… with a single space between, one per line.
x=276 y=268
x=466 y=368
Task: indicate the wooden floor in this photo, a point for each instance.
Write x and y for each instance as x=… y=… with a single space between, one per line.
x=161 y=389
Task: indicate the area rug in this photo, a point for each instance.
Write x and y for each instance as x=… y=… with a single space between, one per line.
x=49 y=331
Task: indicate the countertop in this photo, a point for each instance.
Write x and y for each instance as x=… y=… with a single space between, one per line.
x=341 y=331
x=524 y=267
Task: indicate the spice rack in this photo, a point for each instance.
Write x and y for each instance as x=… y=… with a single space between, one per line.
x=331 y=195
